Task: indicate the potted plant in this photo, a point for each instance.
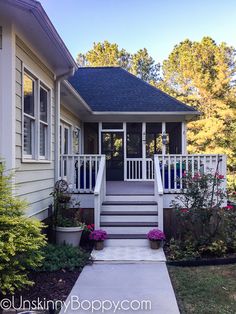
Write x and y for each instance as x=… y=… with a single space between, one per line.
x=98 y=236
x=66 y=221
x=156 y=238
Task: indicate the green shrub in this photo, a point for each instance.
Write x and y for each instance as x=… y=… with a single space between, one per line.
x=203 y=226
x=21 y=239
x=57 y=257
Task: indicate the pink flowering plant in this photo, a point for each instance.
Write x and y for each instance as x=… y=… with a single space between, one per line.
x=98 y=235
x=156 y=235
x=202 y=222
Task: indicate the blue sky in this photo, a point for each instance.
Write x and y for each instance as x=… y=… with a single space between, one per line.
x=133 y=24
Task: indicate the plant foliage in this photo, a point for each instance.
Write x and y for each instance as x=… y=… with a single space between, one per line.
x=20 y=239
x=57 y=257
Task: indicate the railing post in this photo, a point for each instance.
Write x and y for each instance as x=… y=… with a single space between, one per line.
x=159 y=193
x=99 y=191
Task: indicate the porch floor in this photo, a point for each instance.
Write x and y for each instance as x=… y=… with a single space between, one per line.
x=130 y=188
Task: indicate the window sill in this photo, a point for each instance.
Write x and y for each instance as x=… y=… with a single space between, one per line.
x=33 y=161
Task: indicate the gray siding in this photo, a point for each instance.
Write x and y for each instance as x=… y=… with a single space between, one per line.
x=34 y=181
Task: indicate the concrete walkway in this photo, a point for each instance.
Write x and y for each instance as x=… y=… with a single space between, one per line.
x=128 y=254
x=143 y=288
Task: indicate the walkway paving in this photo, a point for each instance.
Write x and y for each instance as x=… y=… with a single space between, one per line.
x=143 y=288
x=128 y=254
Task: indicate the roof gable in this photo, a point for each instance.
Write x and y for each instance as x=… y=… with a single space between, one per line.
x=114 y=89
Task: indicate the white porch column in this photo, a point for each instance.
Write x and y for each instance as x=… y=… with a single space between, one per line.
x=163 y=132
x=125 y=150
x=99 y=138
x=184 y=138
x=144 y=164
x=7 y=95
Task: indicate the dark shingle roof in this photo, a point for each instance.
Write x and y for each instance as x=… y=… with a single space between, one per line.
x=115 y=89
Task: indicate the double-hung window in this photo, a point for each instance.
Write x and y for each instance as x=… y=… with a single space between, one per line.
x=36 y=112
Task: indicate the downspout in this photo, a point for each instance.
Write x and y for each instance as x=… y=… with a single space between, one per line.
x=57 y=119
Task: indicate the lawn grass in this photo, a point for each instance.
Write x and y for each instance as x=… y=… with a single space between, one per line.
x=206 y=289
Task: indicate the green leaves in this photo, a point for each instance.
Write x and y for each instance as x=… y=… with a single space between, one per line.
x=20 y=240
x=202 y=74
x=105 y=53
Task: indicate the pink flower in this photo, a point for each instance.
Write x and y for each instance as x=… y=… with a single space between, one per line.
x=220 y=176
x=184 y=210
x=156 y=234
x=228 y=207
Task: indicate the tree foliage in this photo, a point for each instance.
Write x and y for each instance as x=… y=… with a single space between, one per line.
x=202 y=74
x=20 y=240
x=105 y=53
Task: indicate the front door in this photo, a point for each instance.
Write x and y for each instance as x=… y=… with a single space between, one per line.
x=112 y=147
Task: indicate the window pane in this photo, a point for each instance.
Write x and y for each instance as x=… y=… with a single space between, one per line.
x=66 y=141
x=134 y=140
x=43 y=104
x=28 y=134
x=76 y=136
x=28 y=95
x=43 y=139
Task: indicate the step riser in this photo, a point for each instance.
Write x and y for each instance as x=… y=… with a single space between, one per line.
x=135 y=208
x=127 y=230
x=125 y=218
x=126 y=242
x=123 y=198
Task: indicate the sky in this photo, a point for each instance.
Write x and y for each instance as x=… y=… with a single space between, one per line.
x=157 y=25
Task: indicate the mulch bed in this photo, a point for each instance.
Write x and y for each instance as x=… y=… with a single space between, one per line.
x=49 y=285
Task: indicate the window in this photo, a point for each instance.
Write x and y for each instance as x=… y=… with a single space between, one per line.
x=43 y=121
x=36 y=118
x=134 y=140
x=65 y=138
x=76 y=140
x=153 y=139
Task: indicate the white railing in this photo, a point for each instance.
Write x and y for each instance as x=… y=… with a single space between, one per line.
x=139 y=169
x=173 y=167
x=80 y=171
x=158 y=190
x=99 y=191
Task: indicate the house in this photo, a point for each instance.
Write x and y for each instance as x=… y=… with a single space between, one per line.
x=119 y=142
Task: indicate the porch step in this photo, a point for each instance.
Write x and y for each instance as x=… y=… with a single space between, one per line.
x=124 y=208
x=127 y=236
x=128 y=213
x=128 y=203
x=128 y=224
x=124 y=227
x=130 y=198
x=124 y=240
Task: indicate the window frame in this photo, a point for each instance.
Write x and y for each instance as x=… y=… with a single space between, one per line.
x=35 y=157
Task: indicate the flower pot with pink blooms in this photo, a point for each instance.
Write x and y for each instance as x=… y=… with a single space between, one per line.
x=98 y=236
x=156 y=238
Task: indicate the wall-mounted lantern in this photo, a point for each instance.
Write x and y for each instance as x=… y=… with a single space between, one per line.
x=164 y=138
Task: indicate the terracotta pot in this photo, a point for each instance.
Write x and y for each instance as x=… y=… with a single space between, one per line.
x=155 y=244
x=68 y=235
x=99 y=245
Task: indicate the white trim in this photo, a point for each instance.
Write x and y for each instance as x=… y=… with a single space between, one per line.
x=184 y=138
x=125 y=150
x=99 y=138
x=158 y=113
x=163 y=128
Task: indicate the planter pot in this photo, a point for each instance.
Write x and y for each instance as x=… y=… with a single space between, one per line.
x=155 y=244
x=68 y=235
x=99 y=245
